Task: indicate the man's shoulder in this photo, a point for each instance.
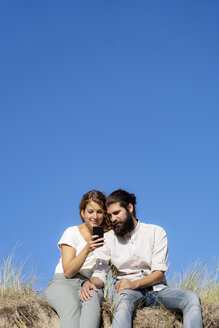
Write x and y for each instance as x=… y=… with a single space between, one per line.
x=109 y=234
x=151 y=227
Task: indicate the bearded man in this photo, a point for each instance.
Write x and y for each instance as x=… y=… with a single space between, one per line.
x=139 y=253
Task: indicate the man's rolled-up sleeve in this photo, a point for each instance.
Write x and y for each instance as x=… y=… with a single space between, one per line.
x=101 y=267
x=160 y=251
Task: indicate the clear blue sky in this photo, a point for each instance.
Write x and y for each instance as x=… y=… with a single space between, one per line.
x=102 y=95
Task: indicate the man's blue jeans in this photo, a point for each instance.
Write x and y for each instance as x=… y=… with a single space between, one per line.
x=171 y=298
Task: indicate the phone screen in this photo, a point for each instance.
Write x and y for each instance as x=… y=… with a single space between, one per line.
x=98 y=230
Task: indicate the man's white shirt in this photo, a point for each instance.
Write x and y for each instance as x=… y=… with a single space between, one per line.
x=135 y=255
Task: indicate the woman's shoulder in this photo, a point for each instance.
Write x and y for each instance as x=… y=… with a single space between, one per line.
x=70 y=232
x=69 y=237
x=72 y=229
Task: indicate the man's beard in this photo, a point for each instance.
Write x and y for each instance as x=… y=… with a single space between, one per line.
x=125 y=227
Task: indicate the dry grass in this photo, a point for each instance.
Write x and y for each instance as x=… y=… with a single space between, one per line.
x=201 y=278
x=12 y=278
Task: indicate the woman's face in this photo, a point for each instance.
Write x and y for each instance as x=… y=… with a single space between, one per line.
x=93 y=215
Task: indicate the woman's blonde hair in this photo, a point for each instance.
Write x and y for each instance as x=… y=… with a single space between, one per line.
x=99 y=198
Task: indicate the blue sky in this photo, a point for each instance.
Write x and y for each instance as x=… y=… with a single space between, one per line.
x=103 y=95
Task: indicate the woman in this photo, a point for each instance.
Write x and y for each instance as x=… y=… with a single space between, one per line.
x=75 y=266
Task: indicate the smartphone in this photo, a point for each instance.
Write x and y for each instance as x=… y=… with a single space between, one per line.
x=98 y=230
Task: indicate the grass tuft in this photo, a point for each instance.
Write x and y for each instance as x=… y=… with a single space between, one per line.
x=12 y=277
x=201 y=278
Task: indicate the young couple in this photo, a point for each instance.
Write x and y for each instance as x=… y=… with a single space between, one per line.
x=137 y=250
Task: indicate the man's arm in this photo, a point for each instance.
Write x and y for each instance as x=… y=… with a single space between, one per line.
x=98 y=278
x=97 y=282
x=154 y=278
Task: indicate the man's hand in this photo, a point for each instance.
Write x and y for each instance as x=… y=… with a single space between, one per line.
x=124 y=284
x=85 y=293
x=154 y=278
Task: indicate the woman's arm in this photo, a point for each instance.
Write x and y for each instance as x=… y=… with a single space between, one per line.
x=72 y=263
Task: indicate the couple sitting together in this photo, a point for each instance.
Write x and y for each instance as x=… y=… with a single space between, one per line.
x=137 y=250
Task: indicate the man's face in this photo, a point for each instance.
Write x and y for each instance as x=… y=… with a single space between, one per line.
x=121 y=219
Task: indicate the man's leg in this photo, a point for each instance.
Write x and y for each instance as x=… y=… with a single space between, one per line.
x=90 y=311
x=184 y=300
x=124 y=303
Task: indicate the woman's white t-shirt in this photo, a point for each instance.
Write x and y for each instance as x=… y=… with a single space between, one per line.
x=73 y=238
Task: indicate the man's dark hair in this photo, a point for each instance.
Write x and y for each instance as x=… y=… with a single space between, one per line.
x=122 y=197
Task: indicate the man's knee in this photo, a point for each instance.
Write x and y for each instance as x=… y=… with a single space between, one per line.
x=123 y=301
x=192 y=299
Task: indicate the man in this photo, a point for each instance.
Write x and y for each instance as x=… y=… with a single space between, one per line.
x=139 y=253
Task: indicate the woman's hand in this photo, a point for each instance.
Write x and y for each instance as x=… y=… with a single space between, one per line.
x=85 y=293
x=94 y=243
